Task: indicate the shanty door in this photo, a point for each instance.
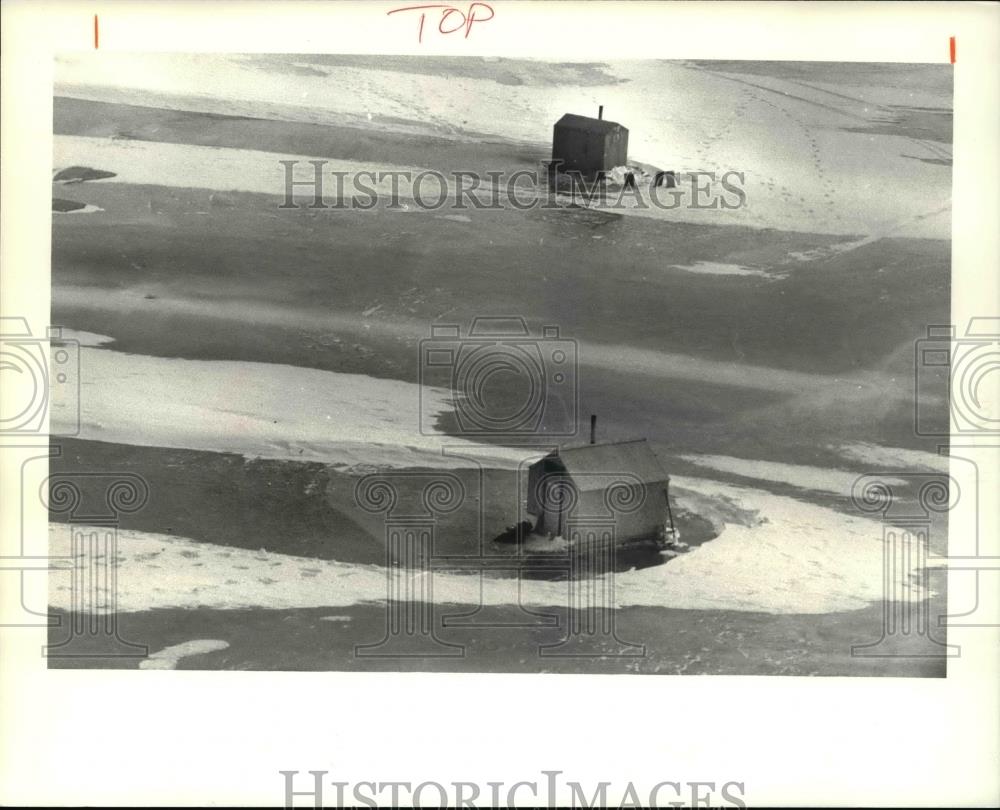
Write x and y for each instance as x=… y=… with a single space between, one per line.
x=556 y=501
x=614 y=154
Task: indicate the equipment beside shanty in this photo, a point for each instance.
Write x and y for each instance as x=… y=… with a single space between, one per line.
x=596 y=150
x=612 y=493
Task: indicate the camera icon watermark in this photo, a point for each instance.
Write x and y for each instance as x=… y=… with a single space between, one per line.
x=964 y=369
x=38 y=375
x=594 y=513
x=505 y=381
x=569 y=533
x=906 y=504
x=91 y=506
x=78 y=548
x=410 y=528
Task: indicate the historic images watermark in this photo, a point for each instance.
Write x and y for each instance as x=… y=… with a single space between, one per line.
x=317 y=789
x=41 y=384
x=91 y=505
x=519 y=389
x=592 y=511
x=964 y=368
x=410 y=621
x=38 y=372
x=956 y=378
x=907 y=504
x=507 y=382
x=546 y=188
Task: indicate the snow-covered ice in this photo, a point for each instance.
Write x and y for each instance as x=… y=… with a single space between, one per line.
x=804 y=476
x=815 y=154
x=794 y=557
x=84 y=338
x=893 y=458
x=721 y=269
x=169 y=657
x=264 y=410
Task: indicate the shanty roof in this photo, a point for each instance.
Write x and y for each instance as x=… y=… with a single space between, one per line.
x=581 y=122
x=595 y=466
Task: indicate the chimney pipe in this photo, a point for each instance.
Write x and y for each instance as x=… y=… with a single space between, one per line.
x=593 y=428
x=600 y=113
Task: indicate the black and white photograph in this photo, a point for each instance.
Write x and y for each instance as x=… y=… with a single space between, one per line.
x=490 y=364
x=499 y=404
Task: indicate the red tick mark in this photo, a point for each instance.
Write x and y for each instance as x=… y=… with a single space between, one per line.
x=951 y=45
x=96 y=33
